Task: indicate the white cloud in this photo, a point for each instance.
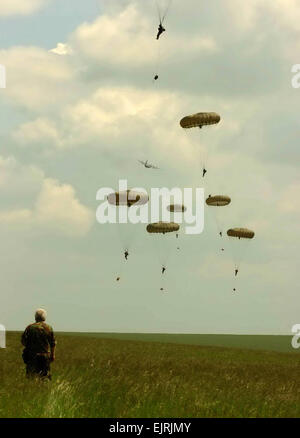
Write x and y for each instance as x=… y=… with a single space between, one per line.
x=290 y=199
x=36 y=79
x=247 y=14
x=19 y=216
x=127 y=39
x=287 y=12
x=62 y=49
x=54 y=209
x=117 y=109
x=57 y=208
x=17 y=179
x=41 y=129
x=110 y=113
x=20 y=7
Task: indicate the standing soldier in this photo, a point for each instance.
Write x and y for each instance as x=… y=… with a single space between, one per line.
x=39 y=342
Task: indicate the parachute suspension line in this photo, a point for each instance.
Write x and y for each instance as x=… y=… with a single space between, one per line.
x=239 y=247
x=162 y=234
x=157 y=63
x=158 y=11
x=199 y=120
x=120 y=272
x=162 y=15
x=218 y=223
x=201 y=155
x=202 y=161
x=166 y=11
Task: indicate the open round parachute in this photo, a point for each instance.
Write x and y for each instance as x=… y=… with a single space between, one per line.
x=241 y=233
x=218 y=213
x=176 y=208
x=163 y=240
x=218 y=201
x=240 y=240
x=162 y=227
x=200 y=119
x=127 y=197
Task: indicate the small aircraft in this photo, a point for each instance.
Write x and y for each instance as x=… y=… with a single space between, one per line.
x=148 y=165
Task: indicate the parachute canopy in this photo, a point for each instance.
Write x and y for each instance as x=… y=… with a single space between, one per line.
x=162 y=227
x=218 y=200
x=243 y=233
x=176 y=208
x=199 y=120
x=127 y=197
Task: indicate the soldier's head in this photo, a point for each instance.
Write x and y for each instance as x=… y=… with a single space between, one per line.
x=40 y=315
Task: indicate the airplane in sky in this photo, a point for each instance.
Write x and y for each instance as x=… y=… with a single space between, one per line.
x=148 y=165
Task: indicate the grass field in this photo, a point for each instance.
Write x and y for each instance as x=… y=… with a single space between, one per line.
x=257 y=342
x=98 y=377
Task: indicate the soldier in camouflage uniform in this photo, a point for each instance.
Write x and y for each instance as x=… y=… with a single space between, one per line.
x=39 y=342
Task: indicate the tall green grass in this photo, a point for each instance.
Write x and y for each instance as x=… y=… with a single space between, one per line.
x=280 y=343
x=113 y=378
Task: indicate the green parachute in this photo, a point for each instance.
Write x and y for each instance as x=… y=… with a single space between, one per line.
x=239 y=239
x=218 y=201
x=176 y=208
x=162 y=227
x=126 y=230
x=127 y=198
x=241 y=233
x=199 y=119
x=161 y=233
x=215 y=202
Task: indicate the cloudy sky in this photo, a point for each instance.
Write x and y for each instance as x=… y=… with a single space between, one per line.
x=80 y=108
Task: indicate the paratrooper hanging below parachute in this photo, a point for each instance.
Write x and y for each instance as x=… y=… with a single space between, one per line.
x=239 y=233
x=199 y=120
x=162 y=228
x=124 y=200
x=163 y=7
x=218 y=201
x=160 y=30
x=176 y=208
